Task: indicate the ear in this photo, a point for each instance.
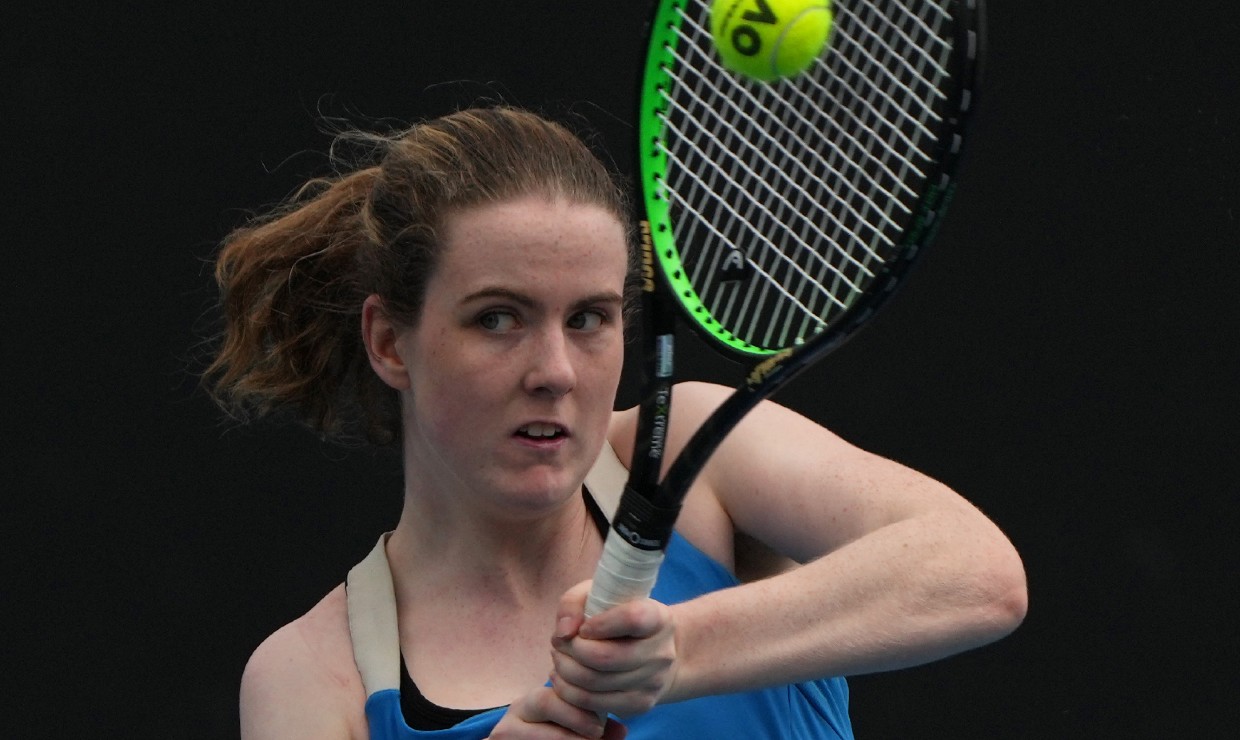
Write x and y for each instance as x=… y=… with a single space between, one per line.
x=379 y=333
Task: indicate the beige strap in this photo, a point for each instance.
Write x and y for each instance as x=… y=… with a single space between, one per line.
x=606 y=480
x=372 y=601
x=372 y=621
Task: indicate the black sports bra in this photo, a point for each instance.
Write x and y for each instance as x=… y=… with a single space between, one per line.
x=422 y=714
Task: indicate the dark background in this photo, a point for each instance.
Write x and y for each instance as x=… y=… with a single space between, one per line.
x=1066 y=356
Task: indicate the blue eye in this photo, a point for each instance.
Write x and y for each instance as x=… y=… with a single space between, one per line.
x=586 y=320
x=497 y=321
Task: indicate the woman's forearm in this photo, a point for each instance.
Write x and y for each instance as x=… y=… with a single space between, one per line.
x=905 y=594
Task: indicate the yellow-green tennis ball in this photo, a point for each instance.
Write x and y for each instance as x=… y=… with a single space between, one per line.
x=770 y=39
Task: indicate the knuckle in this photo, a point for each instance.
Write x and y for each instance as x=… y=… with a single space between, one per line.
x=542 y=702
x=646 y=703
x=601 y=656
x=586 y=701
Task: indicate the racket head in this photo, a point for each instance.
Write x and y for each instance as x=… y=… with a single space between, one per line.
x=781 y=258
x=782 y=211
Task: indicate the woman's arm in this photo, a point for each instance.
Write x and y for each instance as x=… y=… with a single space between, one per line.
x=301 y=681
x=897 y=568
x=301 y=684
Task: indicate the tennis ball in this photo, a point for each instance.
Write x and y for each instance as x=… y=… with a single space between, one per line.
x=770 y=39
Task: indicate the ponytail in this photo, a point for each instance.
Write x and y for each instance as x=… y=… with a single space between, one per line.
x=291 y=295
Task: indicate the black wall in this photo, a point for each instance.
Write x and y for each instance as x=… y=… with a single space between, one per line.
x=1067 y=356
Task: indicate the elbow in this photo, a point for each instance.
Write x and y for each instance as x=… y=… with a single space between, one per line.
x=993 y=590
x=1012 y=605
x=1005 y=592
x=981 y=590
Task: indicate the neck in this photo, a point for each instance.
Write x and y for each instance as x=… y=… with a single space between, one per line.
x=444 y=551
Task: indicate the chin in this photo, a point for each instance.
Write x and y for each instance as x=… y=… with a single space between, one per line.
x=547 y=491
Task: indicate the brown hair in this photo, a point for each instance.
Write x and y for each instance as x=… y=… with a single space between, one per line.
x=292 y=283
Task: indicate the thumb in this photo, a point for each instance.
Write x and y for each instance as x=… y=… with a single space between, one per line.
x=571 y=612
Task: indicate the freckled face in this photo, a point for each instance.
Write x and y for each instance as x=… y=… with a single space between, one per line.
x=516 y=357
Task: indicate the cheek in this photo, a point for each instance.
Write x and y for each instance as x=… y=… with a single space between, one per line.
x=445 y=418
x=615 y=365
x=606 y=365
x=446 y=387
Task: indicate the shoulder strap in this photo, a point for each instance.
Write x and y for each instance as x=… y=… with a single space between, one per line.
x=606 y=480
x=372 y=621
x=372 y=602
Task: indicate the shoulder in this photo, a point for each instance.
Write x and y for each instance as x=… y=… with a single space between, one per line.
x=704 y=520
x=692 y=402
x=302 y=682
x=779 y=481
x=769 y=429
x=791 y=484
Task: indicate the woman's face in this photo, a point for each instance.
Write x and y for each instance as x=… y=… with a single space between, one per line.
x=516 y=357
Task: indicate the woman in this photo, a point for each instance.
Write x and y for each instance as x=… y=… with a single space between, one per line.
x=464 y=300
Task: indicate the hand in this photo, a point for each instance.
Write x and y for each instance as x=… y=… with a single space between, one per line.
x=542 y=715
x=622 y=661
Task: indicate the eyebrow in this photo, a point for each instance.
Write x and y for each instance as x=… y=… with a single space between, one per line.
x=524 y=300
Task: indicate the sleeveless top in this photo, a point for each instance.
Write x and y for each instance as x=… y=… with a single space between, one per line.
x=813 y=709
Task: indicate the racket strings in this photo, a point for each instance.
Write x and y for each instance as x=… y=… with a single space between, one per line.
x=812 y=180
x=790 y=170
x=728 y=179
x=755 y=213
x=798 y=169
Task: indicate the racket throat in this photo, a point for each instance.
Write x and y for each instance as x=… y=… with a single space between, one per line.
x=643 y=523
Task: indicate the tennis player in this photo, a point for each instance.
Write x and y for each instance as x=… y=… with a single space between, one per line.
x=464 y=301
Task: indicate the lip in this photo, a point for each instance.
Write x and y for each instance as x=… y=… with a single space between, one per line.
x=562 y=431
x=542 y=444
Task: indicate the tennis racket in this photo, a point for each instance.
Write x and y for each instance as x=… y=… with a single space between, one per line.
x=778 y=217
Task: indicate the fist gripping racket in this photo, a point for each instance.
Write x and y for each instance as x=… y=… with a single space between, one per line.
x=778 y=216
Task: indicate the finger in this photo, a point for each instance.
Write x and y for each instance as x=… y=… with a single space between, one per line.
x=649 y=652
x=636 y=619
x=633 y=674
x=622 y=703
x=545 y=706
x=609 y=666
x=576 y=696
x=570 y=613
x=606 y=656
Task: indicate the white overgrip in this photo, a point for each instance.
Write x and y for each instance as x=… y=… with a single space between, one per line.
x=624 y=573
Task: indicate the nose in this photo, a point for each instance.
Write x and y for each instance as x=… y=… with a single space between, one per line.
x=552 y=370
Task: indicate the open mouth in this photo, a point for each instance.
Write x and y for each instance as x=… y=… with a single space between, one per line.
x=542 y=431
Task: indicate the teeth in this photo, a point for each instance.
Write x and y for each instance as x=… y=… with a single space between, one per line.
x=540 y=430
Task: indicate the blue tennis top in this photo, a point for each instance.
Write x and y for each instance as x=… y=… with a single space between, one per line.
x=815 y=709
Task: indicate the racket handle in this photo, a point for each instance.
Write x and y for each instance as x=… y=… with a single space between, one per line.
x=624 y=573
